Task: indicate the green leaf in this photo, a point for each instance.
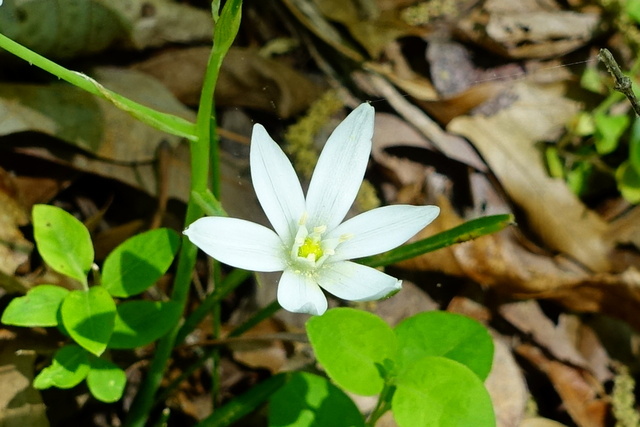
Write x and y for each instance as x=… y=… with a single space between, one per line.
x=554 y=162
x=89 y=316
x=436 y=391
x=208 y=203
x=63 y=241
x=468 y=231
x=352 y=346
x=308 y=400
x=592 y=80
x=139 y=262
x=244 y=404
x=39 y=307
x=582 y=124
x=628 y=180
x=69 y=366
x=578 y=177
x=106 y=381
x=139 y=323
x=227 y=27
x=438 y=333
x=632 y=8
x=609 y=129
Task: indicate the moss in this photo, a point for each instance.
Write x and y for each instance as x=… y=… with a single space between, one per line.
x=299 y=136
x=427 y=11
x=367 y=197
x=623 y=399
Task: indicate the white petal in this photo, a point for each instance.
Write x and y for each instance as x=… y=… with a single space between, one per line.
x=276 y=184
x=356 y=282
x=381 y=229
x=239 y=243
x=340 y=169
x=300 y=294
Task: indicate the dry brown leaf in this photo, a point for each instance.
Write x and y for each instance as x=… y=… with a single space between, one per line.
x=529 y=318
x=154 y=23
x=540 y=422
x=20 y=403
x=533 y=33
x=309 y=15
x=579 y=391
x=450 y=145
x=246 y=80
x=372 y=26
x=500 y=261
x=410 y=301
x=625 y=229
x=507 y=141
x=270 y=355
x=14 y=248
x=88 y=123
x=506 y=386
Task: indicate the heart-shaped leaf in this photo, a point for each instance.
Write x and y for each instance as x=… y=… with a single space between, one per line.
x=89 y=316
x=309 y=400
x=106 y=381
x=139 y=262
x=39 y=307
x=438 y=333
x=70 y=365
x=436 y=391
x=354 y=347
x=139 y=323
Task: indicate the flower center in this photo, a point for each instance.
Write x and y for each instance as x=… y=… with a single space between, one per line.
x=310 y=248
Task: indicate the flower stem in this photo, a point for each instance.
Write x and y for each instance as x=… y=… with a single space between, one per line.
x=383 y=405
x=201 y=148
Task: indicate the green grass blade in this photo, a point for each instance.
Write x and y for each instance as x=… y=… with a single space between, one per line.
x=468 y=231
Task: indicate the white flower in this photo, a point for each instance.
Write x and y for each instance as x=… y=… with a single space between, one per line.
x=310 y=245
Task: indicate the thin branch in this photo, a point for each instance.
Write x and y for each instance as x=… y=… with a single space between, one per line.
x=623 y=83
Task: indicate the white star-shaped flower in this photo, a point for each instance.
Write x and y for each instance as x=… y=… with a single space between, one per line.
x=310 y=245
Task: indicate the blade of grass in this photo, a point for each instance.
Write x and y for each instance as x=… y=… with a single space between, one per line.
x=245 y=403
x=468 y=231
x=162 y=121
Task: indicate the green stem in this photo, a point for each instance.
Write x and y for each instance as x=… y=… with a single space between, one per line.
x=264 y=313
x=225 y=31
x=233 y=279
x=162 y=121
x=258 y=317
x=383 y=405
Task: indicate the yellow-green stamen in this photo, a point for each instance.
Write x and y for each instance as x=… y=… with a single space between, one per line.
x=312 y=247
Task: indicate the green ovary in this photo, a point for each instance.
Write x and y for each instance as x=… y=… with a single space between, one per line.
x=310 y=247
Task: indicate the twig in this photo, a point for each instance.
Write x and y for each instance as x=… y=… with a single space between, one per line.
x=623 y=83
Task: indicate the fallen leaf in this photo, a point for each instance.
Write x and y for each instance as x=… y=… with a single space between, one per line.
x=89 y=123
x=531 y=33
x=246 y=80
x=583 y=401
x=508 y=142
x=506 y=386
x=14 y=248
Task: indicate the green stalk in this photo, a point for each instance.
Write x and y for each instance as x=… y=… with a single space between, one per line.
x=224 y=34
x=383 y=405
x=464 y=232
x=165 y=122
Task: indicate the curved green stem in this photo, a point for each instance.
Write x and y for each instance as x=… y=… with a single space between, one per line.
x=165 y=122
